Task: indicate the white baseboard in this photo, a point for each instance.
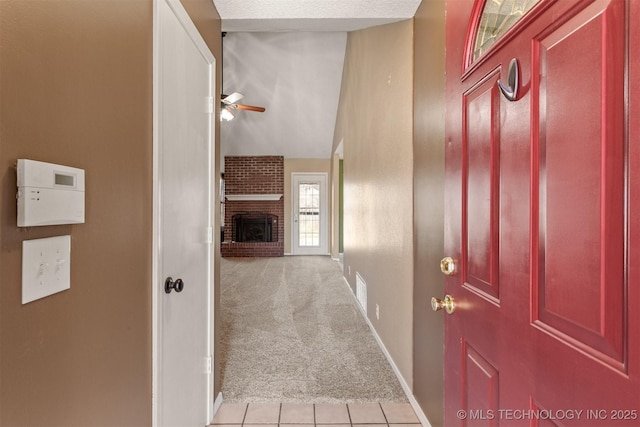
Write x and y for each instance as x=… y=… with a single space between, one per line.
x=407 y=390
x=292 y=254
x=217 y=403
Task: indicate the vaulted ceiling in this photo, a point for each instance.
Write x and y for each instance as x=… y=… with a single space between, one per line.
x=287 y=56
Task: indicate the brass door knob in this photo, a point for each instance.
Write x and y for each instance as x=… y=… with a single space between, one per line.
x=448 y=304
x=448 y=266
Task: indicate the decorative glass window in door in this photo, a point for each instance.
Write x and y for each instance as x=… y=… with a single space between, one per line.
x=309 y=214
x=498 y=16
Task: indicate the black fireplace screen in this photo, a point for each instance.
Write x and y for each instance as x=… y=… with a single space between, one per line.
x=255 y=227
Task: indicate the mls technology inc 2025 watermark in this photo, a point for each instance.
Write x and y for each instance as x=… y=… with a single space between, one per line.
x=543 y=414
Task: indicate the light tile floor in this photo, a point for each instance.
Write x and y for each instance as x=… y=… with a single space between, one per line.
x=308 y=414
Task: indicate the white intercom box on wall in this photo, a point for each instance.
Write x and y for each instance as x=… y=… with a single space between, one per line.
x=49 y=194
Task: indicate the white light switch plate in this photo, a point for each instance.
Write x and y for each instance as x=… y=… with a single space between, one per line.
x=46 y=267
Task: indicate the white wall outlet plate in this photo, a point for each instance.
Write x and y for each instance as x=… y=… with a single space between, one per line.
x=46 y=267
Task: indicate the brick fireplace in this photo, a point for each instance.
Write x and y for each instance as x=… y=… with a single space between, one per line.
x=254 y=188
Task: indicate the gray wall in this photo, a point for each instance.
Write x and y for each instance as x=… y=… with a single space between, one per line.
x=428 y=194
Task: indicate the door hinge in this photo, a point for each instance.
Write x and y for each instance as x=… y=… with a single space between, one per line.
x=209 y=104
x=210 y=235
x=209 y=365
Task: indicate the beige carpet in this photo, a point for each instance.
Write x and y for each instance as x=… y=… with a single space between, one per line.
x=292 y=333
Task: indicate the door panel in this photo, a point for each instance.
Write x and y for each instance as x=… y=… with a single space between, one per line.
x=541 y=210
x=183 y=197
x=481 y=385
x=580 y=183
x=481 y=203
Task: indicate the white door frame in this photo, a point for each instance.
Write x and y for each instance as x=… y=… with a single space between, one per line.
x=156 y=266
x=324 y=223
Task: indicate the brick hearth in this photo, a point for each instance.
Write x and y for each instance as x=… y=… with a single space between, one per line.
x=250 y=176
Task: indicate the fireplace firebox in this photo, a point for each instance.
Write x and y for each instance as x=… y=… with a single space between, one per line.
x=255 y=227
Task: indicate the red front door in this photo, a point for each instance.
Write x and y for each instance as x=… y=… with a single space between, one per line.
x=543 y=216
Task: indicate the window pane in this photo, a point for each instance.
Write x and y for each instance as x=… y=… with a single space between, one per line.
x=497 y=17
x=309 y=214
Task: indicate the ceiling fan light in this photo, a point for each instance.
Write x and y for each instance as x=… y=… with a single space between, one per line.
x=226 y=115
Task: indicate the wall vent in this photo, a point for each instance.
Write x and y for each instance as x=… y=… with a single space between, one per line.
x=361 y=292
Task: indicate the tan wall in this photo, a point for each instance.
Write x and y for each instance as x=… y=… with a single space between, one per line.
x=76 y=84
x=302 y=165
x=375 y=121
x=428 y=161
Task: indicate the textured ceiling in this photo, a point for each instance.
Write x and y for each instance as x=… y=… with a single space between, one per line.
x=311 y=15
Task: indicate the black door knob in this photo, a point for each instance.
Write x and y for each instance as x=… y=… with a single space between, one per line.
x=170 y=285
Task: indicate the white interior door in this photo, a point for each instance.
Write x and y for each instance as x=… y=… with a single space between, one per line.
x=183 y=218
x=309 y=216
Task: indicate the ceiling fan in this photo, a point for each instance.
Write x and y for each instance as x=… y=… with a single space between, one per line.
x=230 y=102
